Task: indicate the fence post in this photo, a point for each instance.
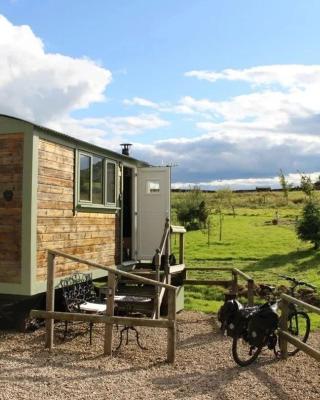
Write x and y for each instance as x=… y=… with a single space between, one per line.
x=284 y=305
x=234 y=284
x=167 y=249
x=109 y=313
x=158 y=265
x=171 y=335
x=250 y=292
x=181 y=248
x=50 y=300
x=167 y=264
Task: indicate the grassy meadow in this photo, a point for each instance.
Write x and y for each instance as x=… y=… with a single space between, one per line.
x=250 y=242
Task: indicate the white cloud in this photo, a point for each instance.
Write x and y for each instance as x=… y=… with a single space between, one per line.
x=42 y=86
x=139 y=101
x=225 y=155
x=46 y=88
x=281 y=96
x=248 y=183
x=274 y=125
x=285 y=75
x=108 y=131
x=249 y=137
x=182 y=107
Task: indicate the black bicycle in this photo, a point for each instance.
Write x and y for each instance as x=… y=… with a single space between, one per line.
x=255 y=328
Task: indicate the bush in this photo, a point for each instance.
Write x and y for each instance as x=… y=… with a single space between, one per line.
x=192 y=210
x=308 y=227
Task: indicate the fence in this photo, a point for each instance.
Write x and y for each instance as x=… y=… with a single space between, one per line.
x=286 y=337
x=232 y=283
x=109 y=319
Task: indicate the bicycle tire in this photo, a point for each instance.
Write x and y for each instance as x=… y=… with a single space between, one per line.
x=253 y=352
x=293 y=329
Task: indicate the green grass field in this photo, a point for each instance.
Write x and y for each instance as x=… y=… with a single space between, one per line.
x=253 y=244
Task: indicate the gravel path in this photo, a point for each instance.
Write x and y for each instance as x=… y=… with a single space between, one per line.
x=204 y=368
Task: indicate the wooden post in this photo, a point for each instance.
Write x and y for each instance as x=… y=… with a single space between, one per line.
x=109 y=313
x=157 y=289
x=234 y=285
x=171 y=345
x=167 y=249
x=181 y=248
x=50 y=300
x=250 y=292
x=167 y=264
x=284 y=327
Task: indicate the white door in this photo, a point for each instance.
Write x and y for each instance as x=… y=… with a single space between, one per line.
x=154 y=184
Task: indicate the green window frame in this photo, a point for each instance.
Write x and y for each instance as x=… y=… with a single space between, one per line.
x=111 y=182
x=96 y=181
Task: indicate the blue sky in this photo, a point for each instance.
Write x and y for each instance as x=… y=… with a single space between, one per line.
x=226 y=90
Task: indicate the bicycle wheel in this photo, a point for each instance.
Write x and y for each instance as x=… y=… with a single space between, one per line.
x=243 y=353
x=298 y=325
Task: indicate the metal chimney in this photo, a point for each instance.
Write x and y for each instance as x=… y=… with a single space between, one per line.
x=125 y=148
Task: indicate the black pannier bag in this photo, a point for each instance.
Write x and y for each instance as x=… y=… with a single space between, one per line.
x=261 y=323
x=238 y=326
x=227 y=313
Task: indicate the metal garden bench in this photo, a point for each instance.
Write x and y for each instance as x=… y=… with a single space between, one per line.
x=79 y=296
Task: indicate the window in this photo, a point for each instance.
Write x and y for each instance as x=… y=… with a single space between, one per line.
x=85 y=180
x=97 y=181
x=153 y=187
x=111 y=182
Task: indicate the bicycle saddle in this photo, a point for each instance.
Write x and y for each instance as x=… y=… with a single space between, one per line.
x=267 y=287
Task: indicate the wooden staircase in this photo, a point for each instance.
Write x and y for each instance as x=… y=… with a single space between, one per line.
x=150 y=299
x=147 y=299
x=147 y=296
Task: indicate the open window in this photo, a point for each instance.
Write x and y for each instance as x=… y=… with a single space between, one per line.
x=97 y=181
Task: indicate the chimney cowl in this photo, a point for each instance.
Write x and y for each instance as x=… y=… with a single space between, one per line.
x=125 y=148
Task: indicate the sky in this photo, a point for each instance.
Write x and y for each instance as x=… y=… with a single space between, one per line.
x=228 y=92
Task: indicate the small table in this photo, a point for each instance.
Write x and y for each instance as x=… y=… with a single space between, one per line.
x=128 y=302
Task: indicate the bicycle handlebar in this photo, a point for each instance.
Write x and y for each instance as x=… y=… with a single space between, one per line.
x=300 y=283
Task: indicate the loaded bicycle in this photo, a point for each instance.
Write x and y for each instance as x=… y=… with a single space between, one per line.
x=256 y=328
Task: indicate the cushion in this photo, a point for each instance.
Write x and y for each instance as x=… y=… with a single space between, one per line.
x=93 y=307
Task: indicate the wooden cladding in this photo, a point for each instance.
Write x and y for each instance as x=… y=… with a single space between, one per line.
x=90 y=235
x=11 y=169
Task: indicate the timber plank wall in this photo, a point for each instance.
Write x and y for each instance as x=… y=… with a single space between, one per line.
x=89 y=235
x=11 y=169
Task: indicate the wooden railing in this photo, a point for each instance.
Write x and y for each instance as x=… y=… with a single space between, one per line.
x=164 y=249
x=286 y=337
x=231 y=283
x=179 y=230
x=109 y=319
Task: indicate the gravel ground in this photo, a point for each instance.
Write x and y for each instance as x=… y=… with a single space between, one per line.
x=204 y=368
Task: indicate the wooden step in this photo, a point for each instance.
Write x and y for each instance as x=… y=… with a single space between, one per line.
x=144 y=291
x=147 y=273
x=144 y=272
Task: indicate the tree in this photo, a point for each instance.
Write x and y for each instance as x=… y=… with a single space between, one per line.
x=306 y=185
x=192 y=210
x=225 y=197
x=285 y=185
x=308 y=227
x=204 y=213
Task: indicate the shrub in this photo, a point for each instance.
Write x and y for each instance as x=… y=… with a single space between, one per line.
x=306 y=185
x=192 y=210
x=308 y=227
